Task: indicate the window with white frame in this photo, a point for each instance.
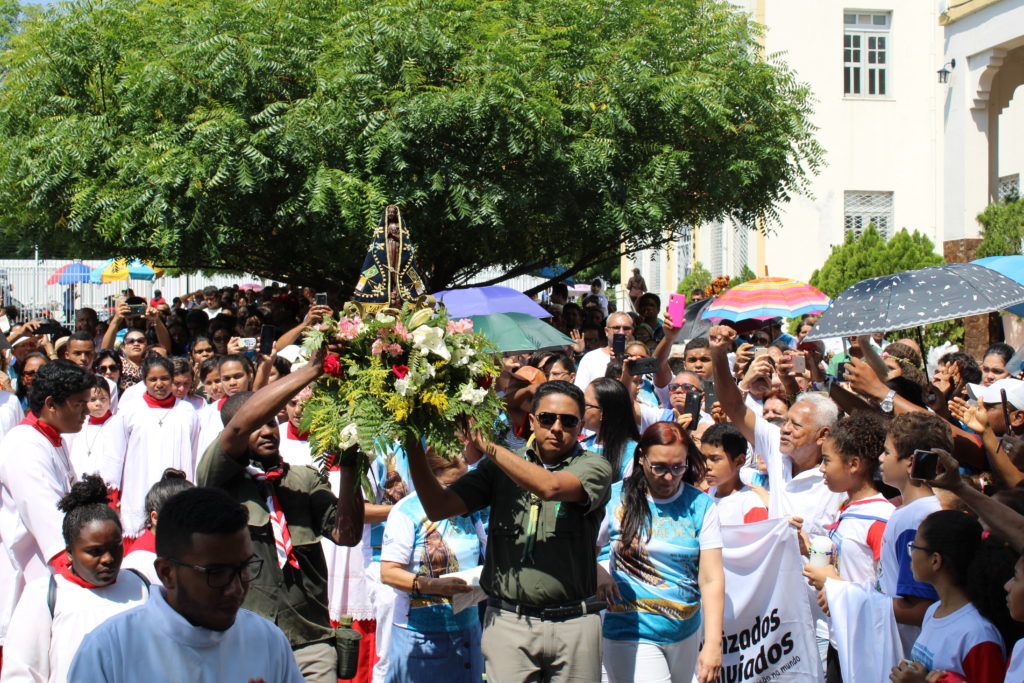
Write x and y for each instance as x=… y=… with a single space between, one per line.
x=866 y=50
x=862 y=209
x=1009 y=188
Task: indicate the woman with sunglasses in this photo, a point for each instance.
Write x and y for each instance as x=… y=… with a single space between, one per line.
x=108 y=364
x=56 y=612
x=27 y=369
x=608 y=417
x=962 y=633
x=664 y=544
x=133 y=350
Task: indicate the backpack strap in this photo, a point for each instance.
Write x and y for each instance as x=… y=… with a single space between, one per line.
x=51 y=594
x=142 y=577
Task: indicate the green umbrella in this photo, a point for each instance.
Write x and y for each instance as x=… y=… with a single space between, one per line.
x=518 y=332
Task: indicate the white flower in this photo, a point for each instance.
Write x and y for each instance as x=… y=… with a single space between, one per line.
x=430 y=340
x=347 y=437
x=420 y=317
x=472 y=395
x=404 y=385
x=385 y=319
x=476 y=368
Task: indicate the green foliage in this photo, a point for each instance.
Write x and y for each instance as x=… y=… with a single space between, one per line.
x=268 y=137
x=698 y=278
x=1002 y=229
x=869 y=255
x=745 y=275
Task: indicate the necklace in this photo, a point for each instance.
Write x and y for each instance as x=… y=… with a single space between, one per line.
x=160 y=421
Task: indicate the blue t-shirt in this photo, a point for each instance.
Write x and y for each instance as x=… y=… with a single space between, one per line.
x=658 y=582
x=590 y=444
x=431 y=549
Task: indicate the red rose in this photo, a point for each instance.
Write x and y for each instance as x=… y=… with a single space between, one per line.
x=485 y=381
x=332 y=365
x=400 y=370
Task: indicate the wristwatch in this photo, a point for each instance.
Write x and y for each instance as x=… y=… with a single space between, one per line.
x=886 y=404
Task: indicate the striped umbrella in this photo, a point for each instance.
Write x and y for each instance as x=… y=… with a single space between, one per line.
x=70 y=274
x=116 y=270
x=767 y=297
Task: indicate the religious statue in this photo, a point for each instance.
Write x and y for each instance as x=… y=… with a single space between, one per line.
x=389 y=277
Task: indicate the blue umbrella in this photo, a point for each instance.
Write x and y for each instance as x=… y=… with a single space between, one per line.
x=462 y=303
x=551 y=272
x=70 y=274
x=1010 y=266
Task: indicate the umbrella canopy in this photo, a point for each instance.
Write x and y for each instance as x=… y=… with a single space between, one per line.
x=255 y=287
x=115 y=270
x=70 y=274
x=552 y=271
x=519 y=332
x=767 y=297
x=1010 y=266
x=462 y=303
x=916 y=297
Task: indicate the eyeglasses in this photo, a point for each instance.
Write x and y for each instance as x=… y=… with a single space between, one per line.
x=627 y=328
x=683 y=387
x=549 y=419
x=911 y=548
x=106 y=369
x=135 y=340
x=221 y=576
x=661 y=470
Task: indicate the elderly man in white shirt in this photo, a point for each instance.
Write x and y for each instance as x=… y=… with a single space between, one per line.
x=193 y=629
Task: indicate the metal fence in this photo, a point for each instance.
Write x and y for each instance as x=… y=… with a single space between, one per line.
x=23 y=284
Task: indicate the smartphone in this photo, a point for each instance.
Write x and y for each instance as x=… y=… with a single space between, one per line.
x=924 y=465
x=136 y=310
x=710 y=395
x=54 y=327
x=642 y=366
x=692 y=406
x=799 y=364
x=320 y=299
x=619 y=344
x=677 y=308
x=248 y=343
x=268 y=334
x=841 y=372
x=759 y=351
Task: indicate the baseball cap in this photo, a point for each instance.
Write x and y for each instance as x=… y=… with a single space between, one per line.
x=1014 y=389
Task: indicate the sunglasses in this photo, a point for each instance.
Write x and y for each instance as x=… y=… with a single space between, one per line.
x=549 y=419
x=683 y=387
x=106 y=369
x=135 y=340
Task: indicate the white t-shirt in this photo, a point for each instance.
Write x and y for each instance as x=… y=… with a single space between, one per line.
x=857 y=536
x=743 y=506
x=1015 y=671
x=40 y=647
x=10 y=412
x=895 y=577
x=963 y=642
x=294 y=451
x=592 y=366
x=155 y=644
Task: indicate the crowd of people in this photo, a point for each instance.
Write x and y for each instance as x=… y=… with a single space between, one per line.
x=163 y=516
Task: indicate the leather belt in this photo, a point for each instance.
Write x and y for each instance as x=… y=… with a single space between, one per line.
x=565 y=612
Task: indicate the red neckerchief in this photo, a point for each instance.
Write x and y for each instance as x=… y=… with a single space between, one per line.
x=295 y=435
x=159 y=402
x=147 y=542
x=64 y=570
x=220 y=403
x=102 y=419
x=51 y=434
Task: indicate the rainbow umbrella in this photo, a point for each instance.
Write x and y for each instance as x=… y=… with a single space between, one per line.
x=115 y=270
x=70 y=274
x=767 y=297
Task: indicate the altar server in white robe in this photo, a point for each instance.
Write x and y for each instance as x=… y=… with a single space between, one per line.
x=294 y=443
x=57 y=611
x=193 y=629
x=236 y=375
x=145 y=439
x=87 y=447
x=35 y=473
x=142 y=555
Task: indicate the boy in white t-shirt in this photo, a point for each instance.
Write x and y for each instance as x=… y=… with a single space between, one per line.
x=725 y=451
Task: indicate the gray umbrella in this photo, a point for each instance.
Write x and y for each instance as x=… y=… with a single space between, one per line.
x=916 y=297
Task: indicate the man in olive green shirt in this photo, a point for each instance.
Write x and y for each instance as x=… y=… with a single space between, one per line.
x=291 y=590
x=547 y=503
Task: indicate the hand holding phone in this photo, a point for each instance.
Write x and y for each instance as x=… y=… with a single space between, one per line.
x=676 y=313
x=619 y=344
x=268 y=333
x=692 y=406
x=642 y=366
x=924 y=465
x=320 y=299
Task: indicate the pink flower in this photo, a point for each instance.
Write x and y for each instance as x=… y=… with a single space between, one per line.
x=394 y=349
x=402 y=332
x=349 y=328
x=377 y=347
x=305 y=394
x=459 y=326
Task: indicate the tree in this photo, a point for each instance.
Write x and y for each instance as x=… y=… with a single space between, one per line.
x=745 y=275
x=1002 y=228
x=698 y=278
x=869 y=255
x=268 y=136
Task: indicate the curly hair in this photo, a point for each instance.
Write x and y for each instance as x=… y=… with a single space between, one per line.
x=860 y=435
x=86 y=502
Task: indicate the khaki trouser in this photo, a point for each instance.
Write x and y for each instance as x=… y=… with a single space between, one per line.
x=318 y=662
x=519 y=649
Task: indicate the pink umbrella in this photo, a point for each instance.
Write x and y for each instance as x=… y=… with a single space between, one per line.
x=252 y=285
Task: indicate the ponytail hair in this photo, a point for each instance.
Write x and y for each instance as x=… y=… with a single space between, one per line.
x=636 y=514
x=87 y=502
x=173 y=481
x=979 y=566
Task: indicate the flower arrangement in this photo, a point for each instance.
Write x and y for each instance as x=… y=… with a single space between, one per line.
x=413 y=373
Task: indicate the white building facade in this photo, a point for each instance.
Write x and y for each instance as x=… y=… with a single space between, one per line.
x=902 y=150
